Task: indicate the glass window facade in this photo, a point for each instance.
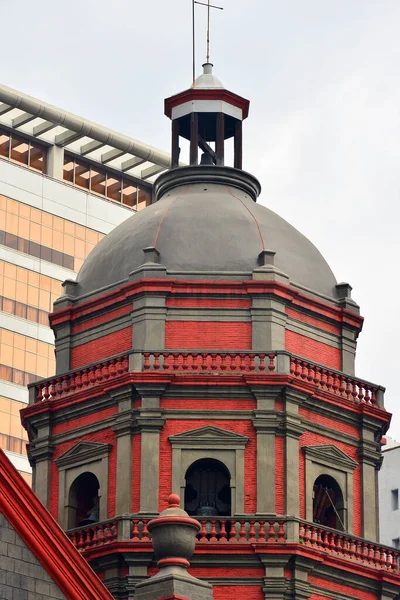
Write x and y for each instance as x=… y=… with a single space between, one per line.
x=109 y=185
x=45 y=236
x=23 y=151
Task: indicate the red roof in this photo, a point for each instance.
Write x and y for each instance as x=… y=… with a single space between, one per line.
x=45 y=538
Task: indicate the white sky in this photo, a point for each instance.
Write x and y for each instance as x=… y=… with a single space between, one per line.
x=323 y=135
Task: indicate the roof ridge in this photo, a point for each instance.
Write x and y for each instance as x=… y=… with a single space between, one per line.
x=45 y=538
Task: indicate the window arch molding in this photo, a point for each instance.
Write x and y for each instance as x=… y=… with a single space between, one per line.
x=331 y=461
x=214 y=443
x=84 y=457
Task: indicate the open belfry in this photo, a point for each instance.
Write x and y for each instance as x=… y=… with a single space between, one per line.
x=207 y=351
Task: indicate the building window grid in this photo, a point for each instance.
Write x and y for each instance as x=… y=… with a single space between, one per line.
x=97 y=181
x=34 y=157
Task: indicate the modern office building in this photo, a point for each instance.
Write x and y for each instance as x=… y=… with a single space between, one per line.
x=64 y=183
x=389 y=486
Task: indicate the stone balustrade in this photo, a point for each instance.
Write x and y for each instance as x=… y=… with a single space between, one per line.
x=209 y=363
x=247 y=530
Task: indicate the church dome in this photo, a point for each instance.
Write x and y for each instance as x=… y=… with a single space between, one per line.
x=206 y=223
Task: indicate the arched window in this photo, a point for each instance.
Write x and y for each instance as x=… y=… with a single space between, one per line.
x=328 y=506
x=207 y=490
x=84 y=501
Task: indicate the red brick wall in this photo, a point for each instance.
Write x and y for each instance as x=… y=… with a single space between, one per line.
x=279 y=475
x=105 y=437
x=105 y=318
x=313 y=439
x=208 y=336
x=136 y=458
x=208 y=303
x=241 y=427
x=313 y=350
x=101 y=348
x=85 y=420
x=208 y=404
x=295 y=314
x=332 y=586
x=327 y=422
x=229 y=592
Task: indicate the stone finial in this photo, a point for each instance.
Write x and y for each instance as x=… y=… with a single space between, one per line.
x=343 y=290
x=69 y=286
x=266 y=257
x=151 y=254
x=173 y=535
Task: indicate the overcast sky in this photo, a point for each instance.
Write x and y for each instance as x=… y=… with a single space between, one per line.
x=323 y=134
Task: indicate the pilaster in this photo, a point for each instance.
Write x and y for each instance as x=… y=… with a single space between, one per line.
x=149 y=423
x=123 y=427
x=370 y=462
x=40 y=457
x=292 y=429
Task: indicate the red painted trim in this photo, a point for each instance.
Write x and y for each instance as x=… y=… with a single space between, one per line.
x=45 y=538
x=199 y=94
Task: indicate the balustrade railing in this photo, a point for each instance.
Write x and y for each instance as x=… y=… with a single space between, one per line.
x=345 y=545
x=74 y=381
x=247 y=530
x=334 y=381
x=221 y=363
x=210 y=362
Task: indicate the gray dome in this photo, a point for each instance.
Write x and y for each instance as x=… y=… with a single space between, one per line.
x=201 y=228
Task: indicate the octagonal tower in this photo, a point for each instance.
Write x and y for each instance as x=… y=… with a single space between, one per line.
x=207 y=350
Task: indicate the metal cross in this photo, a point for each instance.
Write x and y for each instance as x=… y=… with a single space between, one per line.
x=208 y=30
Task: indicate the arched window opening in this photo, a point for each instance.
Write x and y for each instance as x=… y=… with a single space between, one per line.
x=328 y=505
x=84 y=501
x=208 y=490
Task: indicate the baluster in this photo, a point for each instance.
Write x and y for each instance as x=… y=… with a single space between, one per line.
x=360 y=393
x=313 y=536
x=304 y=370
x=242 y=532
x=156 y=363
x=213 y=362
x=108 y=536
x=373 y=396
x=367 y=398
x=78 y=379
x=342 y=386
x=58 y=390
x=125 y=363
x=104 y=371
x=329 y=382
x=354 y=392
x=88 y=538
x=389 y=559
x=252 y=533
x=203 y=532
x=317 y=376
x=39 y=392
x=339 y=548
x=348 y=389
x=261 y=532
x=195 y=362
x=271 y=531
x=81 y=542
x=325 y=540
x=358 y=549
x=101 y=534
x=336 y=383
x=135 y=530
x=364 y=551
x=281 y=532
x=94 y=539
x=92 y=377
x=233 y=362
x=319 y=537
x=224 y=364
x=371 y=554
x=271 y=363
x=292 y=366
x=99 y=373
x=213 y=533
x=222 y=534
x=65 y=386
x=261 y=366
x=297 y=371
x=72 y=383
x=332 y=545
x=395 y=556
x=252 y=366
x=185 y=364
x=84 y=377
x=119 y=367
x=233 y=532
x=324 y=379
x=310 y=373
x=377 y=556
x=145 y=532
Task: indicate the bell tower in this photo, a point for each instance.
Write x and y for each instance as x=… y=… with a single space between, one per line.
x=206 y=350
x=205 y=113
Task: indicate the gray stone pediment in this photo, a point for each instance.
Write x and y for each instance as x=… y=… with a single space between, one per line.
x=208 y=436
x=83 y=452
x=330 y=455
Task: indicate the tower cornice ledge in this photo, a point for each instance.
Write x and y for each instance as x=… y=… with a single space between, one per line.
x=207 y=174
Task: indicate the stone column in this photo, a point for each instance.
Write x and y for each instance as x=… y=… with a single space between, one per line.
x=149 y=423
x=40 y=456
x=370 y=456
x=266 y=423
x=123 y=427
x=292 y=430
